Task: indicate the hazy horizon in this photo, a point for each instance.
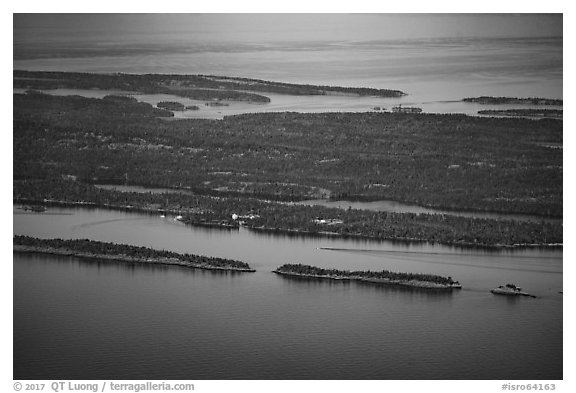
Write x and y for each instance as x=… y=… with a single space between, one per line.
x=254 y=28
x=432 y=56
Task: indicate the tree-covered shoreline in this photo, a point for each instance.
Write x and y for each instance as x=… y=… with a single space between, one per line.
x=270 y=216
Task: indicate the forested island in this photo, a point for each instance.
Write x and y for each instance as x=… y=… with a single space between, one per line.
x=487 y=100
x=171 y=105
x=91 y=249
x=540 y=113
x=256 y=164
x=384 y=277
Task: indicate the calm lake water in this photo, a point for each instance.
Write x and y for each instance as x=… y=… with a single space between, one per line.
x=75 y=319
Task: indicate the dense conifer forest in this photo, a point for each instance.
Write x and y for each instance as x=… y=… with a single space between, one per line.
x=257 y=163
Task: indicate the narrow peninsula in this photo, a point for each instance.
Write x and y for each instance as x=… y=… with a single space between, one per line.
x=83 y=248
x=487 y=100
x=550 y=113
x=384 y=277
x=197 y=87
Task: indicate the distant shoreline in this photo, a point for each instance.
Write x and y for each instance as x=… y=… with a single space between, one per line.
x=202 y=87
x=487 y=100
x=535 y=113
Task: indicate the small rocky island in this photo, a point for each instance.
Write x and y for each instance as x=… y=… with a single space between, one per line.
x=384 y=277
x=171 y=105
x=91 y=249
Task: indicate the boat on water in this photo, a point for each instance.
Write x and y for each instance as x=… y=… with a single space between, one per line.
x=510 y=290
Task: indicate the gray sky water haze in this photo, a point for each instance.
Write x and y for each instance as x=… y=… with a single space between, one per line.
x=430 y=56
x=253 y=28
